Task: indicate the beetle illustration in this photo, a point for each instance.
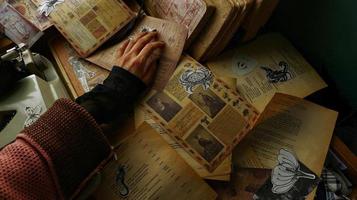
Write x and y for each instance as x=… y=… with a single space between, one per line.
x=276 y=76
x=191 y=78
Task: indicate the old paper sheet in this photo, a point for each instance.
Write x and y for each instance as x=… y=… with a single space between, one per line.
x=291 y=123
x=29 y=10
x=81 y=76
x=16 y=27
x=221 y=173
x=201 y=113
x=87 y=24
x=148 y=168
x=268 y=65
x=174 y=36
x=193 y=13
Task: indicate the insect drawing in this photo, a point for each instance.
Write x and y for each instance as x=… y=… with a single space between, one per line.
x=276 y=76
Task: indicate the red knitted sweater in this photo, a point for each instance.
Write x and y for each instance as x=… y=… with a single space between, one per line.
x=55 y=157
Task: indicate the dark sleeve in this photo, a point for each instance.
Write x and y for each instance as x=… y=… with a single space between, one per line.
x=114 y=98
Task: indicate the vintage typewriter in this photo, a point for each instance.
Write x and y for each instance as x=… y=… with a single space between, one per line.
x=29 y=97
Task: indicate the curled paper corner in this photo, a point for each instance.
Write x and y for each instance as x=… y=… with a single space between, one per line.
x=47 y=6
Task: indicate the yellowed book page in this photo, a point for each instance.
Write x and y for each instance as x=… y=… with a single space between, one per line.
x=268 y=65
x=201 y=113
x=221 y=173
x=148 y=168
x=188 y=13
x=87 y=24
x=81 y=76
x=301 y=127
x=291 y=123
x=174 y=36
x=211 y=32
x=29 y=10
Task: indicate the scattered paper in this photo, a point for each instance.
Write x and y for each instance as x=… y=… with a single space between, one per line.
x=268 y=65
x=148 y=168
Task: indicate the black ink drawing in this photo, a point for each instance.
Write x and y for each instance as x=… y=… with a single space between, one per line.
x=47 y=6
x=33 y=113
x=287 y=173
x=276 y=76
x=290 y=180
x=120 y=181
x=191 y=78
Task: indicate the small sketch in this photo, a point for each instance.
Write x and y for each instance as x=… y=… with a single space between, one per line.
x=33 y=114
x=208 y=101
x=276 y=76
x=243 y=65
x=82 y=73
x=163 y=105
x=47 y=6
x=192 y=78
x=204 y=143
x=287 y=173
x=120 y=181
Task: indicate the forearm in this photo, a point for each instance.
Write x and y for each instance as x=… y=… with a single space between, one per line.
x=66 y=144
x=114 y=98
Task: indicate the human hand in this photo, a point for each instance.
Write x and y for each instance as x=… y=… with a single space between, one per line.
x=139 y=54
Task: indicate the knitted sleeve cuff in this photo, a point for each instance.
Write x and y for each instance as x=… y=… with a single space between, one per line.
x=71 y=142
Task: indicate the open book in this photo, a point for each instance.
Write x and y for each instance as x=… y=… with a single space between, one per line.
x=201 y=113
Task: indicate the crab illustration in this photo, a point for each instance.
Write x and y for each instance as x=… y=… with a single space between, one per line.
x=191 y=78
